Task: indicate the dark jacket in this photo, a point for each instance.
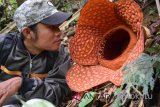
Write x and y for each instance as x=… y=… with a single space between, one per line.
x=52 y=88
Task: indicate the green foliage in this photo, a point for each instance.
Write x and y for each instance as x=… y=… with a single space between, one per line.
x=37 y=103
x=138 y=78
x=152 y=11
x=67 y=5
x=3 y=23
x=156 y=65
x=157 y=68
x=10 y=7
x=73 y=23
x=86 y=99
x=153 y=49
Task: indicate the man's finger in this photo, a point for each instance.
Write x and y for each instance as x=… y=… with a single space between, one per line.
x=2 y=91
x=3 y=99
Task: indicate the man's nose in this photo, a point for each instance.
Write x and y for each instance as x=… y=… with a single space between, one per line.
x=58 y=34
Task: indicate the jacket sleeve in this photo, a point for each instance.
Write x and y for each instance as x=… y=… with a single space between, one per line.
x=53 y=88
x=7 y=41
x=2 y=37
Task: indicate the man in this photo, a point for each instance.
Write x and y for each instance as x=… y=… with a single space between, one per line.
x=31 y=64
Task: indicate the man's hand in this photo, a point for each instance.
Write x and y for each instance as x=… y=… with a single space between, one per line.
x=9 y=88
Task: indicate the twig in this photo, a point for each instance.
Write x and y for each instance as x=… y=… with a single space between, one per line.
x=131 y=104
x=141 y=104
x=137 y=91
x=158 y=7
x=104 y=86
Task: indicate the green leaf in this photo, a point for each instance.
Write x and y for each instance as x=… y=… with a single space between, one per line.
x=138 y=73
x=36 y=103
x=23 y=103
x=87 y=98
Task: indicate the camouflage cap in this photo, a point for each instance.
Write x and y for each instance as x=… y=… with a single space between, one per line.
x=34 y=11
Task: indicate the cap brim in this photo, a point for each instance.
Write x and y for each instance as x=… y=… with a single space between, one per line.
x=57 y=18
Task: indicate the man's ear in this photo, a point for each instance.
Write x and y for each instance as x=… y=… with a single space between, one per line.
x=27 y=32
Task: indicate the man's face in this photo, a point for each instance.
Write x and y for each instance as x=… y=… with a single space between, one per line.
x=47 y=37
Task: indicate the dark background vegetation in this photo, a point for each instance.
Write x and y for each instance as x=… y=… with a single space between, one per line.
x=7 y=8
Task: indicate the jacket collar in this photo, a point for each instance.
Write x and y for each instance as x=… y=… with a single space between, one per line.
x=20 y=43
